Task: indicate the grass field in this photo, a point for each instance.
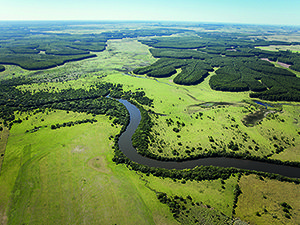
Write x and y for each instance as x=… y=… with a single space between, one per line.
x=260 y=201
x=295 y=37
x=292 y=48
x=66 y=176
x=183 y=104
x=121 y=55
x=212 y=193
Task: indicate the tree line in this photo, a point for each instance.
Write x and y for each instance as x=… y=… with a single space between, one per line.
x=39 y=62
x=43 y=50
x=91 y=101
x=239 y=64
x=193 y=73
x=71 y=123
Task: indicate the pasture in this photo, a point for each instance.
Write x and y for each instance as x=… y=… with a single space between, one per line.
x=261 y=201
x=67 y=176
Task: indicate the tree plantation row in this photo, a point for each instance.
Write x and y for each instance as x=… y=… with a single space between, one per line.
x=34 y=48
x=235 y=59
x=233 y=56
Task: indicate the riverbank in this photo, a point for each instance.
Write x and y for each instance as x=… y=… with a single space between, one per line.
x=124 y=144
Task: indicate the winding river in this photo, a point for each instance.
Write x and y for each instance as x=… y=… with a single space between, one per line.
x=126 y=147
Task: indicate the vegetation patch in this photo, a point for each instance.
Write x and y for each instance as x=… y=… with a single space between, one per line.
x=41 y=61
x=69 y=175
x=265 y=201
x=241 y=67
x=79 y=100
x=4 y=134
x=69 y=124
x=42 y=174
x=211 y=104
x=186 y=211
x=140 y=139
x=99 y=163
x=253 y=118
x=37 y=49
x=216 y=193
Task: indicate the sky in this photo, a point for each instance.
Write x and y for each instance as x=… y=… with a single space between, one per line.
x=280 y=12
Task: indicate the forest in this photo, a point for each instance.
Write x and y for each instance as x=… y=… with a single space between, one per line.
x=237 y=63
x=234 y=57
x=38 y=49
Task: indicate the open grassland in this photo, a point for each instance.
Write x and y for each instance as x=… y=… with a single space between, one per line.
x=292 y=48
x=216 y=193
x=121 y=56
x=12 y=71
x=281 y=37
x=261 y=201
x=207 y=113
x=66 y=176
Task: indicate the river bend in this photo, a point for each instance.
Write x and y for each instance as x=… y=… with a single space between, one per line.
x=125 y=145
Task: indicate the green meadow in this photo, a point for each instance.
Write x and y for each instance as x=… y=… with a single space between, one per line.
x=220 y=113
x=292 y=48
x=67 y=176
x=214 y=193
x=261 y=201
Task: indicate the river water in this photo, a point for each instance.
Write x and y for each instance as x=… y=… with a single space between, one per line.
x=125 y=145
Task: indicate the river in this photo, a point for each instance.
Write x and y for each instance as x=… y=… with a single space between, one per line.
x=125 y=145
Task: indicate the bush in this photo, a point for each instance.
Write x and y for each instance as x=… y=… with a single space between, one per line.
x=175 y=129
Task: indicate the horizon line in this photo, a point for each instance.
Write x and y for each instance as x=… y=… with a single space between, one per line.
x=147 y=21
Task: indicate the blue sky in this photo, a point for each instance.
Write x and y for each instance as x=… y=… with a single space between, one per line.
x=286 y=12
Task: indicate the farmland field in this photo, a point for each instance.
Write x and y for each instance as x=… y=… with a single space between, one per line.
x=60 y=162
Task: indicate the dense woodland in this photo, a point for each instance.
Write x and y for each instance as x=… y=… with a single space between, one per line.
x=237 y=63
x=35 y=48
x=233 y=56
